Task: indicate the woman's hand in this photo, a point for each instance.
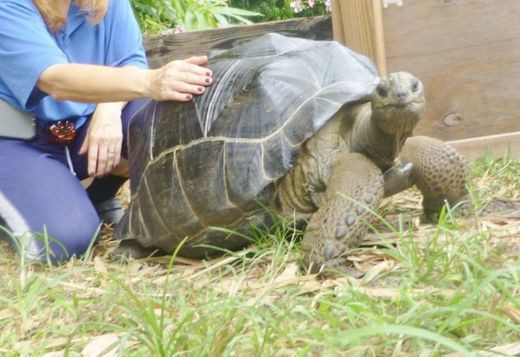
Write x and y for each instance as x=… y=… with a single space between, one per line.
x=180 y=80
x=104 y=139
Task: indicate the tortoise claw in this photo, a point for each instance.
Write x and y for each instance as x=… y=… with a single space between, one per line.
x=397 y=179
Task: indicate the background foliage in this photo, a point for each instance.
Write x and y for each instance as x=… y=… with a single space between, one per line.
x=185 y=15
x=272 y=10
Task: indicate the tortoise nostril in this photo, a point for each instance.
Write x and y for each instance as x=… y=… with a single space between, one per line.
x=400 y=93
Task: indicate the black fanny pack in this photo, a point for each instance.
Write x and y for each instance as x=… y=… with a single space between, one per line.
x=15 y=124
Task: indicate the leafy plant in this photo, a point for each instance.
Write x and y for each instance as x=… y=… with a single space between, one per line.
x=283 y=9
x=187 y=15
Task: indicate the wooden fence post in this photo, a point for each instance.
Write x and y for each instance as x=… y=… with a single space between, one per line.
x=358 y=24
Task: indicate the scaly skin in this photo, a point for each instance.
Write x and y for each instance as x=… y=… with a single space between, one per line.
x=439 y=172
x=338 y=174
x=354 y=192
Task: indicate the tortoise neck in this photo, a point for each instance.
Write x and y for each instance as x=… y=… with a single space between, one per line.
x=366 y=137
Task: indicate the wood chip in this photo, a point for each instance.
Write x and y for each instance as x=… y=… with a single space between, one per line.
x=511 y=312
x=56 y=343
x=7 y=313
x=102 y=346
x=99 y=266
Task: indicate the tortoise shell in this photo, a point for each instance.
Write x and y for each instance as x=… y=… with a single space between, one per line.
x=215 y=161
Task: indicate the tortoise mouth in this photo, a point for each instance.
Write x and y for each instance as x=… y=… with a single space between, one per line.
x=409 y=105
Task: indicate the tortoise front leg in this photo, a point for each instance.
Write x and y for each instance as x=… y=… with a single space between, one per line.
x=355 y=188
x=439 y=172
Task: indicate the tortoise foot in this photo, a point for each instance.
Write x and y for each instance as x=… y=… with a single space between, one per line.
x=439 y=172
x=354 y=192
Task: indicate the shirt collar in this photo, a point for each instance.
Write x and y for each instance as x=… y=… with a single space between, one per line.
x=75 y=19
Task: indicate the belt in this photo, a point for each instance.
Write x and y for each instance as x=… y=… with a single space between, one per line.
x=62 y=132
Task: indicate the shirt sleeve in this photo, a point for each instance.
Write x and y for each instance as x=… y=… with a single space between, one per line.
x=26 y=49
x=124 y=42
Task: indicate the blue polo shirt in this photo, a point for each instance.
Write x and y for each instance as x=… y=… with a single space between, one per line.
x=27 y=48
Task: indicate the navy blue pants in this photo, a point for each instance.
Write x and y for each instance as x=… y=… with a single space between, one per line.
x=39 y=193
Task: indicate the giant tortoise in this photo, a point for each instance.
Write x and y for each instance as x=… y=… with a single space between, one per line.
x=290 y=128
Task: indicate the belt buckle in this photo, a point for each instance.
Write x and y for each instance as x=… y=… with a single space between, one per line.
x=63 y=131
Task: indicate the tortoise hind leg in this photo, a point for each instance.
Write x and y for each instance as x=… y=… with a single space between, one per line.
x=355 y=188
x=129 y=245
x=439 y=172
x=132 y=249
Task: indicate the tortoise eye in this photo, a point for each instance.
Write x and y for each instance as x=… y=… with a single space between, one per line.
x=381 y=90
x=415 y=86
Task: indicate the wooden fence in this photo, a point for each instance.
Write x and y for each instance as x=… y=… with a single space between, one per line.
x=467 y=54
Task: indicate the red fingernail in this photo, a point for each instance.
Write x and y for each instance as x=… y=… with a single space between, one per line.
x=208 y=80
x=188 y=97
x=200 y=89
x=208 y=74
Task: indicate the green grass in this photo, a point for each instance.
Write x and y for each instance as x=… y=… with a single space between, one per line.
x=430 y=290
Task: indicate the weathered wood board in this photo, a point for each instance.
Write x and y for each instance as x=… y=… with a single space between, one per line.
x=467 y=54
x=359 y=24
x=507 y=144
x=164 y=48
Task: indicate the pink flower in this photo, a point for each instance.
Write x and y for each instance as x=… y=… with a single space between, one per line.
x=328 y=5
x=311 y=3
x=296 y=5
x=179 y=29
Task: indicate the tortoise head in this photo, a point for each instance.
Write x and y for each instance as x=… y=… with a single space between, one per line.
x=397 y=103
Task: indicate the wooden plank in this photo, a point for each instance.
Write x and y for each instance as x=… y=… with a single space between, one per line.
x=497 y=146
x=467 y=54
x=358 y=24
x=164 y=48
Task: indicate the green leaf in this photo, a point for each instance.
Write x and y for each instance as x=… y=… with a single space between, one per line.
x=353 y=336
x=222 y=20
x=232 y=11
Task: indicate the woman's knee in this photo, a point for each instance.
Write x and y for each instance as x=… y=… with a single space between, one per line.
x=57 y=242
x=68 y=239
x=59 y=235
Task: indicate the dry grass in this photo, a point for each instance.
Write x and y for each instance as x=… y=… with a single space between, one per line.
x=448 y=288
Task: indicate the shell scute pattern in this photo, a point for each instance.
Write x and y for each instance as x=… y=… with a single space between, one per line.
x=227 y=147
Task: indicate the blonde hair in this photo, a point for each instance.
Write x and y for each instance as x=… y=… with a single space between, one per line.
x=94 y=10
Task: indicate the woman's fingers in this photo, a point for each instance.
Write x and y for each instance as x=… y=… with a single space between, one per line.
x=190 y=78
x=187 y=67
x=181 y=80
x=102 y=160
x=103 y=154
x=104 y=139
x=186 y=87
x=117 y=158
x=198 y=60
x=92 y=157
x=109 y=154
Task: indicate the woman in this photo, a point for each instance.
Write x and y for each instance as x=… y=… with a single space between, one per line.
x=58 y=58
